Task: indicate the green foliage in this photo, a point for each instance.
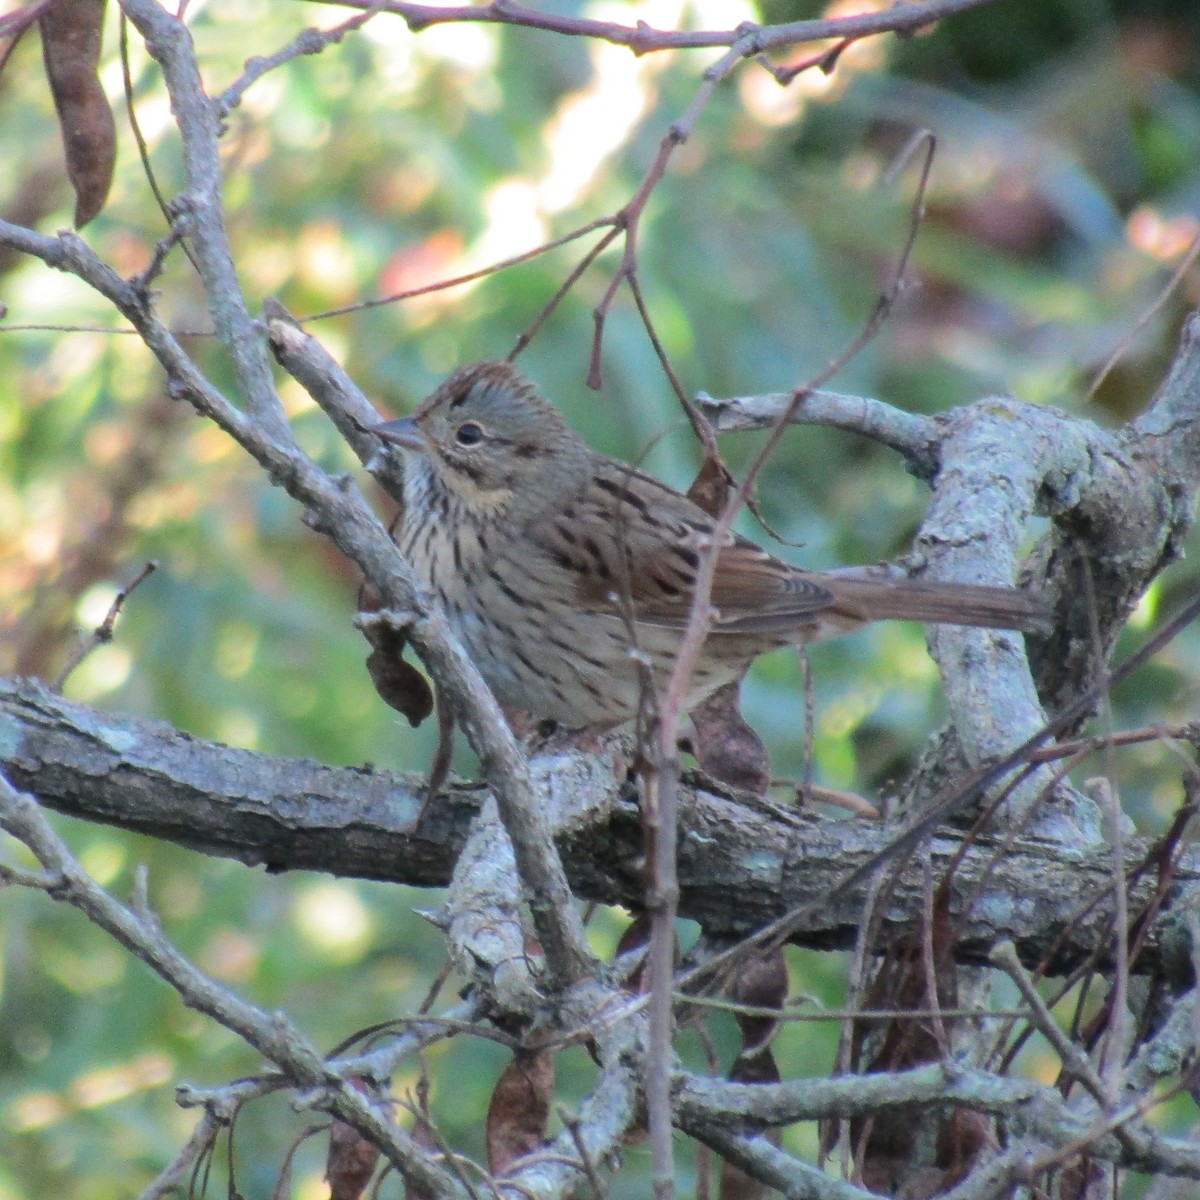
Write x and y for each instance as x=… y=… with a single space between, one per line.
x=1065 y=187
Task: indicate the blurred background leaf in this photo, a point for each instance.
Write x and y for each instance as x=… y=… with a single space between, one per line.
x=1065 y=189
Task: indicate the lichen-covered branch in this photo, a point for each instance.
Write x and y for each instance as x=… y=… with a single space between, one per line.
x=740 y=866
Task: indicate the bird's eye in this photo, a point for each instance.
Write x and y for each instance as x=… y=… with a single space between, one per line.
x=468 y=434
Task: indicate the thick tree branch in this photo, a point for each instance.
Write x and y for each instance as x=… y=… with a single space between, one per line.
x=1120 y=501
x=708 y=1106
x=911 y=434
x=199 y=208
x=739 y=868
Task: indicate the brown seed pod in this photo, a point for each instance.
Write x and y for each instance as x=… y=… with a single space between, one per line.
x=71 y=36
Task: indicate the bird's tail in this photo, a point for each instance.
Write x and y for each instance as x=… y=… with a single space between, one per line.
x=867 y=599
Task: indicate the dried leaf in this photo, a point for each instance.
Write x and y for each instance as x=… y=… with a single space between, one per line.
x=900 y=984
x=889 y=1166
x=893 y=1160
x=352 y=1158
x=439 y=769
x=1082 y=1179
x=712 y=486
x=726 y=747
x=71 y=36
x=351 y=1162
x=758 y=1066
x=965 y=1136
x=519 y=1109
x=762 y=983
x=396 y=680
x=737 y=1185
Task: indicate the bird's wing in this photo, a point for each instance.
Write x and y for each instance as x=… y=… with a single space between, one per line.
x=626 y=538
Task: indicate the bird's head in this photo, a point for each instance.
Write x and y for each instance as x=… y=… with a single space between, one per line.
x=488 y=436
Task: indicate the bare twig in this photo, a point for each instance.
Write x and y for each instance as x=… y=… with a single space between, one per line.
x=629 y=217
x=577 y=272
x=644 y=39
x=1074 y=1061
x=793 y=1012
x=175 y=230
x=911 y=434
x=171 y=45
x=308 y=41
x=104 y=631
x=571 y=1123
x=1116 y=1044
x=930 y=962
x=471 y=276
x=1127 y=340
x=273 y=1036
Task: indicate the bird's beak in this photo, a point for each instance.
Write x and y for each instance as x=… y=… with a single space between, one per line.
x=404 y=433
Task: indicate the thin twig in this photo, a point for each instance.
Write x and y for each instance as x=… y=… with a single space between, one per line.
x=1074 y=1061
x=1104 y=792
x=526 y=335
x=794 y=1013
x=103 y=632
x=470 y=277
x=175 y=228
x=273 y=1036
x=929 y=963
x=701 y=425
x=599 y=1190
x=1078 y=748
x=642 y=38
x=629 y=217
x=1122 y=347
x=307 y=41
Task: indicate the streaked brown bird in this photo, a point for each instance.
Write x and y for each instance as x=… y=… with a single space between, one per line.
x=561 y=568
